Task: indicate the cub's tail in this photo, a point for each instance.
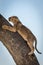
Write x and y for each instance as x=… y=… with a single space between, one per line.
x=36 y=46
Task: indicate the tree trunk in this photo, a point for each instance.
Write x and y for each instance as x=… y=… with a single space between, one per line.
x=16 y=46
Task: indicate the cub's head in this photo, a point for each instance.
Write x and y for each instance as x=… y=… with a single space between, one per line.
x=13 y=19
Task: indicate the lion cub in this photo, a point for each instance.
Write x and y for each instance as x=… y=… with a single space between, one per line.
x=26 y=34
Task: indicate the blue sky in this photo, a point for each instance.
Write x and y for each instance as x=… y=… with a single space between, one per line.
x=30 y=12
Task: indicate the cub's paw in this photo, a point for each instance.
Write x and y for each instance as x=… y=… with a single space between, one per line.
x=5 y=27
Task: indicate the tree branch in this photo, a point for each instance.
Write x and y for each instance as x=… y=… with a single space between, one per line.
x=16 y=46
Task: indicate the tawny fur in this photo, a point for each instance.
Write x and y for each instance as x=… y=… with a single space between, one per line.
x=26 y=34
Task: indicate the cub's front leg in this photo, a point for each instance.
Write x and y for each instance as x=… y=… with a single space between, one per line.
x=12 y=29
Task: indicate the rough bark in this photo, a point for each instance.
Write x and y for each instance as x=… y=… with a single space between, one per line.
x=16 y=46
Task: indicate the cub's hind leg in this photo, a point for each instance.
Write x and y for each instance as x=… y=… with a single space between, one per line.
x=30 y=44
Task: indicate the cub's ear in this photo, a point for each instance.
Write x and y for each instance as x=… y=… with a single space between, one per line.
x=14 y=17
x=9 y=18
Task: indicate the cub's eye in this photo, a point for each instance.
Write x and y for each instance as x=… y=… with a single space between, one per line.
x=12 y=19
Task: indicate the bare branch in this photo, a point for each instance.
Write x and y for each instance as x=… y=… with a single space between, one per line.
x=16 y=46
